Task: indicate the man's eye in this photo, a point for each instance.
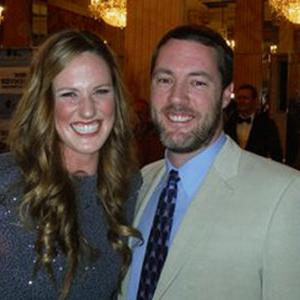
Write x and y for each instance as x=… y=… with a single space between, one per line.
x=198 y=83
x=164 y=81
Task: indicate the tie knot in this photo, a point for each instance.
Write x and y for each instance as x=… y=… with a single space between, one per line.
x=173 y=177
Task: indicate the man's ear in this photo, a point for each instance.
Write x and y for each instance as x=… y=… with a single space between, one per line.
x=227 y=93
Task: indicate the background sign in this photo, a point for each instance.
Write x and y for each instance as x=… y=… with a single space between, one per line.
x=14 y=70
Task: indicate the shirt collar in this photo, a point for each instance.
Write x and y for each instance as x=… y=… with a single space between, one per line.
x=194 y=170
x=251 y=117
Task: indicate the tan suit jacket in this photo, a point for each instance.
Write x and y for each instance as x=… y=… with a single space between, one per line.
x=240 y=238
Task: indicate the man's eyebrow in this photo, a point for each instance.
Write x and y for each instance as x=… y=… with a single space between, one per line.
x=161 y=70
x=201 y=73
x=191 y=74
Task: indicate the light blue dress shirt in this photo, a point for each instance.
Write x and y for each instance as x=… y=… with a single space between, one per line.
x=191 y=176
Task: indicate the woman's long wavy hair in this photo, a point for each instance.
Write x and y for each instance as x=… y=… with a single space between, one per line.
x=49 y=198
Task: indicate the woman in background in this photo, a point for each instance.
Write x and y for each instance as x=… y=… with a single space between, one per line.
x=69 y=184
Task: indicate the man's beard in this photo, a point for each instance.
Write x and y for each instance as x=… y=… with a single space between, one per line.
x=198 y=138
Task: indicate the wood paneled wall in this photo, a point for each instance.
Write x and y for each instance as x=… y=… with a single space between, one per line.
x=17 y=23
x=147 y=21
x=59 y=19
x=249 y=40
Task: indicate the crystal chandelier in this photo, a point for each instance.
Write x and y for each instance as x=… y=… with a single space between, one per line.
x=113 y=12
x=1 y=14
x=290 y=9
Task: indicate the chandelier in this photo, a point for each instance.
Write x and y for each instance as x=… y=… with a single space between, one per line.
x=290 y=9
x=112 y=12
x=1 y=14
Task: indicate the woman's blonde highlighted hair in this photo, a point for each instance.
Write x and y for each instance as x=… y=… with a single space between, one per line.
x=49 y=198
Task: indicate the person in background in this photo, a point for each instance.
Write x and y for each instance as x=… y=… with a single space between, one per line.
x=218 y=222
x=253 y=130
x=69 y=184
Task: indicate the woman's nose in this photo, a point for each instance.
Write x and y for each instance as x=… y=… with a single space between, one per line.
x=87 y=107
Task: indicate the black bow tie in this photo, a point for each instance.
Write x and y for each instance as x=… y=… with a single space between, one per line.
x=244 y=120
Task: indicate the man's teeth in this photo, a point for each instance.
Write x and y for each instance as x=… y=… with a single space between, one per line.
x=180 y=118
x=85 y=128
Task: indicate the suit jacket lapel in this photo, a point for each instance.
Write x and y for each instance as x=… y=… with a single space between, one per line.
x=153 y=177
x=147 y=190
x=199 y=219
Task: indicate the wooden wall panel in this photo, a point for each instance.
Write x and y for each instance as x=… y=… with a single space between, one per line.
x=147 y=21
x=17 y=23
x=249 y=40
x=248 y=69
x=60 y=18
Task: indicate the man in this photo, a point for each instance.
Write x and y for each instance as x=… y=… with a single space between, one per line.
x=253 y=130
x=235 y=229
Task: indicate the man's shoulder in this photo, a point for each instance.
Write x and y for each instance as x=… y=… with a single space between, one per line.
x=151 y=172
x=264 y=118
x=258 y=169
x=236 y=161
x=153 y=168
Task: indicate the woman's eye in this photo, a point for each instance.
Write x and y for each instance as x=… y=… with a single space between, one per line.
x=102 y=91
x=67 y=95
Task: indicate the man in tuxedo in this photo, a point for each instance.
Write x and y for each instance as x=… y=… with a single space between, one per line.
x=253 y=130
x=218 y=222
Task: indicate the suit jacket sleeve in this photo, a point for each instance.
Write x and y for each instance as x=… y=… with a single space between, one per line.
x=281 y=263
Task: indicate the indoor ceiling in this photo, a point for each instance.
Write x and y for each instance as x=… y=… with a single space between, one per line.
x=219 y=14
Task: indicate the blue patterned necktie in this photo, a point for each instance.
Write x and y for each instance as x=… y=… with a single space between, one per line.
x=157 y=246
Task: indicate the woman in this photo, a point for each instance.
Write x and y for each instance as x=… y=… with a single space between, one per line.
x=63 y=216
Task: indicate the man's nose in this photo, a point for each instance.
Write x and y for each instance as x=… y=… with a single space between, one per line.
x=178 y=92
